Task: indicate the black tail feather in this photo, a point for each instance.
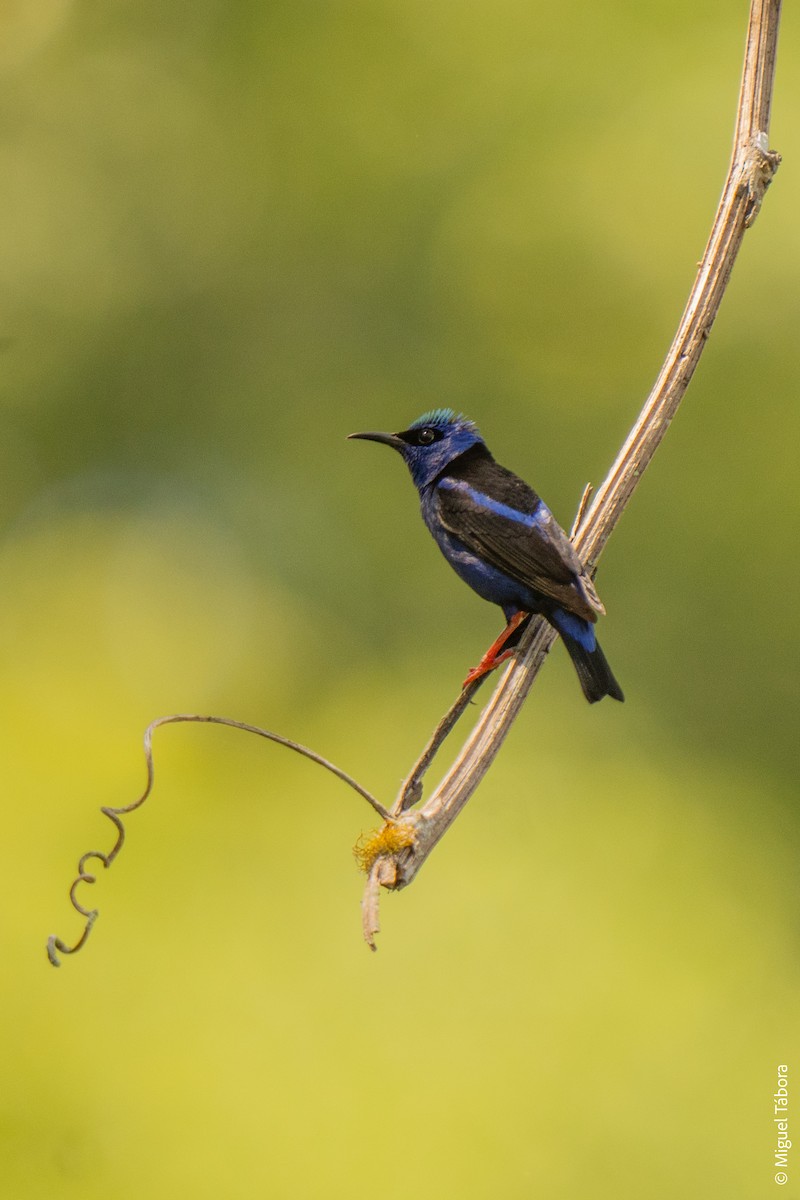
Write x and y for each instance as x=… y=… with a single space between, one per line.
x=594 y=673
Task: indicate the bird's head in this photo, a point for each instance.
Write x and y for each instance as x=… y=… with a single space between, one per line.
x=431 y=443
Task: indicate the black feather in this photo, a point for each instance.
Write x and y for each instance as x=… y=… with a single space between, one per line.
x=593 y=671
x=541 y=557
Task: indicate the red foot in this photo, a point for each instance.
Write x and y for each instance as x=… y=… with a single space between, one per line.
x=495 y=655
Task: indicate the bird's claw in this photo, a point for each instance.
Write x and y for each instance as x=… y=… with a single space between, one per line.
x=485 y=667
x=475 y=674
x=496 y=655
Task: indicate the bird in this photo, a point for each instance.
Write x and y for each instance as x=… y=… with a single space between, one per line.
x=501 y=538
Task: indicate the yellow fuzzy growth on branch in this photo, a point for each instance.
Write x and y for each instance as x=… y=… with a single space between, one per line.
x=389 y=839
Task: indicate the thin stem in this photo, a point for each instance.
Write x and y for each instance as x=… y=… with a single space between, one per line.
x=411 y=791
x=55 y=945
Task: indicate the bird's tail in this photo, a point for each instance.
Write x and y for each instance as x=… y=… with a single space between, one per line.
x=594 y=673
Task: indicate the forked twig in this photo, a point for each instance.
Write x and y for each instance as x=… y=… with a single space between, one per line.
x=392 y=857
x=55 y=945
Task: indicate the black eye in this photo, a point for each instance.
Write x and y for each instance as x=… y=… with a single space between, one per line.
x=422 y=435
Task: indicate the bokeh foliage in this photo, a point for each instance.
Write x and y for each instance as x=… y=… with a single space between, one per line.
x=231 y=234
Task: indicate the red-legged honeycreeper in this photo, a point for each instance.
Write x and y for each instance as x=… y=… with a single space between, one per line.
x=503 y=541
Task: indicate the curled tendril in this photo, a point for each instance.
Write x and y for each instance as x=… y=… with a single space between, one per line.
x=55 y=945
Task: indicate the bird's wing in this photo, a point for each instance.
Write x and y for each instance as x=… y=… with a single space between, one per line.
x=529 y=546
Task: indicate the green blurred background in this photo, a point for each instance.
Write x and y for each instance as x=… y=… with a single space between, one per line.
x=231 y=234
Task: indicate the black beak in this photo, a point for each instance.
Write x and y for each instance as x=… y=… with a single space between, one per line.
x=389 y=439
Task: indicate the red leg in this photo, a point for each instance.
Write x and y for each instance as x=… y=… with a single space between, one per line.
x=495 y=655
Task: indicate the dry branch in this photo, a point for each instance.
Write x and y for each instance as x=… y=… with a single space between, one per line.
x=750 y=173
x=393 y=856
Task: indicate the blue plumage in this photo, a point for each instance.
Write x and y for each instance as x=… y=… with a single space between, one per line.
x=502 y=539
